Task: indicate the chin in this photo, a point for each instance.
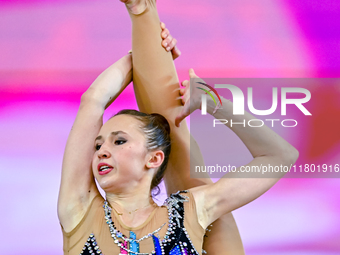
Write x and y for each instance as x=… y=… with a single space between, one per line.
x=105 y=183
x=111 y=185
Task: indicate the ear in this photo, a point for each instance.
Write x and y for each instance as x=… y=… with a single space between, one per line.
x=156 y=159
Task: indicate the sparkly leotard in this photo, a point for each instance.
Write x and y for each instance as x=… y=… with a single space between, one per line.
x=170 y=229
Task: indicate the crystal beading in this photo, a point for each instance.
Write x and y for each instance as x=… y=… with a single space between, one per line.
x=175 y=241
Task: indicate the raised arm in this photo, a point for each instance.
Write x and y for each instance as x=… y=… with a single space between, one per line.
x=78 y=188
x=266 y=146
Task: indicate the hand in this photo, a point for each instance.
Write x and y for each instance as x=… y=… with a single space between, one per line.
x=191 y=98
x=169 y=43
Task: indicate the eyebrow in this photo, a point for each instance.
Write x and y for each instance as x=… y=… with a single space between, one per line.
x=112 y=133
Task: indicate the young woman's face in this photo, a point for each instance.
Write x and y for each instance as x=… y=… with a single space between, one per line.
x=121 y=155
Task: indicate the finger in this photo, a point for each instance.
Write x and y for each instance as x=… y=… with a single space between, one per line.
x=186 y=98
x=176 y=52
x=178 y=120
x=162 y=25
x=168 y=43
x=185 y=83
x=182 y=91
x=172 y=43
x=192 y=73
x=180 y=98
x=165 y=33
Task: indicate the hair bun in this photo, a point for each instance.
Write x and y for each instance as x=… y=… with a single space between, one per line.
x=160 y=120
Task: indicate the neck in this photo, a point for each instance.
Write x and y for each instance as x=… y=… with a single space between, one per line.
x=130 y=202
x=132 y=197
x=133 y=208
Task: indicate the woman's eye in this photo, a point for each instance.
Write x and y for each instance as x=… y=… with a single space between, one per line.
x=97 y=146
x=119 y=142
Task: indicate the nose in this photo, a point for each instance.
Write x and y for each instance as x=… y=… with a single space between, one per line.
x=103 y=152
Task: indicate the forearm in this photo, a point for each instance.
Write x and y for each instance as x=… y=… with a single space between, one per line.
x=267 y=148
x=110 y=83
x=260 y=141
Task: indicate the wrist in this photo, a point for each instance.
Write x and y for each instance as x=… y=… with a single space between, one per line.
x=215 y=107
x=91 y=97
x=109 y=84
x=124 y=64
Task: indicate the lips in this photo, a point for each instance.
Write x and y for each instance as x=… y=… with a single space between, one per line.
x=104 y=168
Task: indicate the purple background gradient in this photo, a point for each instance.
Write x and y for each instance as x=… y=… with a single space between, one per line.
x=51 y=51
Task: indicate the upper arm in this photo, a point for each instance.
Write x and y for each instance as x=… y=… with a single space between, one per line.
x=228 y=194
x=78 y=188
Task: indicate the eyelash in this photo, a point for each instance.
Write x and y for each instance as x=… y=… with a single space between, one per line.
x=120 y=140
x=97 y=146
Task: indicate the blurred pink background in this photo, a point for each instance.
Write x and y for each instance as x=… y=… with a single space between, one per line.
x=51 y=51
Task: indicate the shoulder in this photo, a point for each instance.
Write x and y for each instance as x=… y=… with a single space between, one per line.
x=181 y=195
x=177 y=199
x=181 y=201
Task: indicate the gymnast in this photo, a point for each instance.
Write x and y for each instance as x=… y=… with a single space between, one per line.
x=128 y=156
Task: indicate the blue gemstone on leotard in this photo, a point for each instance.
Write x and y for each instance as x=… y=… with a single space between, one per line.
x=134 y=246
x=176 y=251
x=158 y=249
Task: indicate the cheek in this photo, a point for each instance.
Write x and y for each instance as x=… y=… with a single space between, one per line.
x=133 y=155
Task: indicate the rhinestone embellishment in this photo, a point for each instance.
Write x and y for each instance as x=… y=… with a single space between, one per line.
x=176 y=240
